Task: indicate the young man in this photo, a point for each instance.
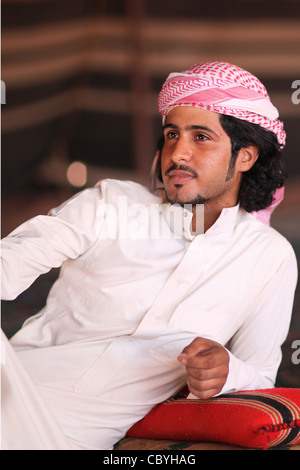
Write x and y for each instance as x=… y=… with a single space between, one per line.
x=156 y=290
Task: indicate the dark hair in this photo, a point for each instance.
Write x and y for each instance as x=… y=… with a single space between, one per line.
x=266 y=175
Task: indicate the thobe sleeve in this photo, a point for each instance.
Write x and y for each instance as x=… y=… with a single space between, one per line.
x=45 y=242
x=255 y=350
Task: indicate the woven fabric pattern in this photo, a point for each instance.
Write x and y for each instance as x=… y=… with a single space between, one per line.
x=256 y=419
x=223 y=88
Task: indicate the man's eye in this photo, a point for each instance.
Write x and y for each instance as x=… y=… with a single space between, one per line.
x=201 y=137
x=171 y=135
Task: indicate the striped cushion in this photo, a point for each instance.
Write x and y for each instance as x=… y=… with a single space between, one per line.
x=256 y=418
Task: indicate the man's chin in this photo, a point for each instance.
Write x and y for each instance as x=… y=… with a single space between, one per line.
x=183 y=201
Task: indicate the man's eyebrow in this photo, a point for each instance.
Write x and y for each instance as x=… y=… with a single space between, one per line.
x=167 y=126
x=191 y=127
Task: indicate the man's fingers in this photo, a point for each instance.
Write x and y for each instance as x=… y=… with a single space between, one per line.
x=206 y=374
x=196 y=346
x=208 y=358
x=202 y=385
x=207 y=366
x=205 y=391
x=206 y=387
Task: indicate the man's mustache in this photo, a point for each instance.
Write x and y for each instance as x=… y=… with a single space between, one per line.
x=182 y=168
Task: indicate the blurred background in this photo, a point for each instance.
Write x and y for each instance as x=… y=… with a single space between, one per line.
x=81 y=79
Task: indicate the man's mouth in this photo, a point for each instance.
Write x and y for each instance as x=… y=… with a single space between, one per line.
x=180 y=175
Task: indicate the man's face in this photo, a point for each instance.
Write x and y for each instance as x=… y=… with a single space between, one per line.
x=195 y=159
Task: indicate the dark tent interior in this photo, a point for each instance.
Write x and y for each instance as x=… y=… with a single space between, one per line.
x=80 y=81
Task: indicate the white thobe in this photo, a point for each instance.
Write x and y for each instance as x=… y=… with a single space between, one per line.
x=136 y=286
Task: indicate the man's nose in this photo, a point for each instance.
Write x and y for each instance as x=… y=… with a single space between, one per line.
x=181 y=151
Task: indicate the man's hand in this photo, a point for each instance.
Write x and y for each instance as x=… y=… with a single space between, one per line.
x=207 y=366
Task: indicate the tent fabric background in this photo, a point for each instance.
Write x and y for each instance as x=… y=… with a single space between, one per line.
x=82 y=77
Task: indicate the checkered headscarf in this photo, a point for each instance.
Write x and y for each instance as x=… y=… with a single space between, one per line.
x=223 y=88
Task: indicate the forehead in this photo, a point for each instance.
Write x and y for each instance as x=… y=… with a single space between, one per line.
x=191 y=113
x=185 y=116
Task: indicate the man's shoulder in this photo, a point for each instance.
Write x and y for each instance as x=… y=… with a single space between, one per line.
x=262 y=234
x=133 y=192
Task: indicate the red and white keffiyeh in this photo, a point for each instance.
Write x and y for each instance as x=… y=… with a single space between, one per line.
x=223 y=88
x=226 y=89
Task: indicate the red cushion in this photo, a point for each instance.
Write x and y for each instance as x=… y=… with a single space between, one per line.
x=256 y=418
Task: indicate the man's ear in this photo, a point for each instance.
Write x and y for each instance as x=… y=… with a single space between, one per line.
x=246 y=158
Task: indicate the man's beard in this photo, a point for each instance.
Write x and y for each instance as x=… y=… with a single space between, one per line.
x=193 y=202
x=198 y=199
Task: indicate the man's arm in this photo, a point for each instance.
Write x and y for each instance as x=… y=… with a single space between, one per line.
x=46 y=241
x=255 y=350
